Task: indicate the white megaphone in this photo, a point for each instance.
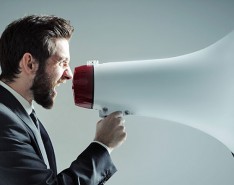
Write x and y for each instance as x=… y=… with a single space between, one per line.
x=196 y=89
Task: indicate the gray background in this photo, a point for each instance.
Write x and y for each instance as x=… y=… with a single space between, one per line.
x=156 y=151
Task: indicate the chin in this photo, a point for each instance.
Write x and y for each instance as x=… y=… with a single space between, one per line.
x=48 y=103
x=48 y=106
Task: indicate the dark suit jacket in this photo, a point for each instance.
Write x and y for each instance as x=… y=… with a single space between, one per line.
x=21 y=161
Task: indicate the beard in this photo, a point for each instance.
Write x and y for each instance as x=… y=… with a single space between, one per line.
x=42 y=90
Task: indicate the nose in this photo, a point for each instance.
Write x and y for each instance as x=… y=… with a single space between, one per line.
x=67 y=74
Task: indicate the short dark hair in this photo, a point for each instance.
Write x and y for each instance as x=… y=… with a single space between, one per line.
x=33 y=34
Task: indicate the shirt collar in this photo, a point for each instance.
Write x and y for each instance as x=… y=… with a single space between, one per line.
x=27 y=106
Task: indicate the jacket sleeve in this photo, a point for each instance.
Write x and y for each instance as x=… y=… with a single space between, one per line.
x=89 y=169
x=21 y=164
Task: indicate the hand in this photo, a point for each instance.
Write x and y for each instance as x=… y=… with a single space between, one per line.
x=110 y=131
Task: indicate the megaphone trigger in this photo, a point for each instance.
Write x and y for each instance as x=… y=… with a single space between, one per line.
x=104 y=112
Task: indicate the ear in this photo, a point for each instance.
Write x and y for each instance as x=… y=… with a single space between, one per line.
x=28 y=64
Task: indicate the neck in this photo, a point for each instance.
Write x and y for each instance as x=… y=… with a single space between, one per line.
x=21 y=88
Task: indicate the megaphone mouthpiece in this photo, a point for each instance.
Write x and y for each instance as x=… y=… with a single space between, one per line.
x=83 y=86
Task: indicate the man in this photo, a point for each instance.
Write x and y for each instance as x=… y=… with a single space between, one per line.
x=34 y=59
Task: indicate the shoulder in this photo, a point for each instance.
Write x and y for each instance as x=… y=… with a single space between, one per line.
x=7 y=116
x=11 y=124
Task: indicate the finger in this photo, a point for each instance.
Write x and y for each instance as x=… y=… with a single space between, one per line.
x=121 y=119
x=100 y=121
x=117 y=114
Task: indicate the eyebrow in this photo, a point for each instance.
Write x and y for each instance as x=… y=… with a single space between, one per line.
x=60 y=58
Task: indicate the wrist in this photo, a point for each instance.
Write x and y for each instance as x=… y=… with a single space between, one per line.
x=106 y=147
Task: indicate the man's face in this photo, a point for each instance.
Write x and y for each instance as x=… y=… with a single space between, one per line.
x=57 y=70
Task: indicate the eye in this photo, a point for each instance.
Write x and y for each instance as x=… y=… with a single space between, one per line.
x=63 y=63
x=60 y=63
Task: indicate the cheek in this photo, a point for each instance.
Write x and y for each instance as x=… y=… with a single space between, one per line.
x=56 y=74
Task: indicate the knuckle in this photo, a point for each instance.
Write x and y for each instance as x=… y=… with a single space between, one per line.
x=121 y=129
x=125 y=135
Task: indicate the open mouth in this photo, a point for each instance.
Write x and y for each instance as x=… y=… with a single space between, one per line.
x=53 y=91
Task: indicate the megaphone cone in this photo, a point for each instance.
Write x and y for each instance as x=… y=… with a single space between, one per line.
x=196 y=89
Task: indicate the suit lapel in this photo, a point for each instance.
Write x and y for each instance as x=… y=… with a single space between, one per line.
x=48 y=147
x=12 y=103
